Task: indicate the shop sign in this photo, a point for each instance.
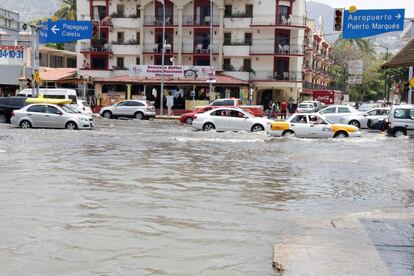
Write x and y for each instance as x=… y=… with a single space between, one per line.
x=11 y=54
x=172 y=71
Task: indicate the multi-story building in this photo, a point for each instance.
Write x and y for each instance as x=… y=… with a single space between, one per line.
x=260 y=41
x=318 y=59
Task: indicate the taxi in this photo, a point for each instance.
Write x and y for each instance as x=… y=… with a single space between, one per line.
x=312 y=125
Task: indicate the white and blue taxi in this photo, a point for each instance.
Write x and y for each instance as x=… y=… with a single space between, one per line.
x=312 y=125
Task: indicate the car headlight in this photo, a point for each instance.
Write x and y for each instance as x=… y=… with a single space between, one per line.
x=85 y=119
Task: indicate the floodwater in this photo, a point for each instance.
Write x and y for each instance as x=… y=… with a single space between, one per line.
x=156 y=198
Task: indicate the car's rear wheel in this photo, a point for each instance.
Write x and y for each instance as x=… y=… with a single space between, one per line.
x=355 y=123
x=341 y=134
x=3 y=119
x=288 y=133
x=257 y=128
x=399 y=132
x=71 y=126
x=139 y=116
x=188 y=121
x=107 y=114
x=208 y=127
x=25 y=124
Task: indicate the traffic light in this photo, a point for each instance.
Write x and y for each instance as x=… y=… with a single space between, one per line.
x=29 y=83
x=338 y=17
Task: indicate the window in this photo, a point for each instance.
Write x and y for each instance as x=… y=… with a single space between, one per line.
x=227 y=10
x=120 y=10
x=316 y=120
x=73 y=98
x=71 y=63
x=120 y=62
x=342 y=109
x=132 y=103
x=226 y=62
x=137 y=61
x=329 y=110
x=401 y=113
x=249 y=10
x=237 y=114
x=248 y=38
x=247 y=65
x=125 y=103
x=227 y=38
x=300 y=119
x=51 y=110
x=62 y=97
x=221 y=112
x=36 y=108
x=56 y=62
x=139 y=11
x=229 y=102
x=120 y=37
x=138 y=40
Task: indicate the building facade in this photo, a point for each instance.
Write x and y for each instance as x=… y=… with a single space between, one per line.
x=264 y=42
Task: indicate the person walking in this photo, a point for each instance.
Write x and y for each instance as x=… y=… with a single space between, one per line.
x=283 y=109
x=275 y=110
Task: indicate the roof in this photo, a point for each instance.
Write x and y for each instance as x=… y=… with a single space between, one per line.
x=55 y=74
x=405 y=57
x=220 y=79
x=58 y=52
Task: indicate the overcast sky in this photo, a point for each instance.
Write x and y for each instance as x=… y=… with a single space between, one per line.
x=408 y=5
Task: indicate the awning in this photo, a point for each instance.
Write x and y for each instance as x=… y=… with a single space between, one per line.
x=405 y=57
x=220 y=80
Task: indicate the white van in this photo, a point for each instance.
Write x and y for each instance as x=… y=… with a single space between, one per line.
x=60 y=93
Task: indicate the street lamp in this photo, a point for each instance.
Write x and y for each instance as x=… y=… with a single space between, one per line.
x=386 y=70
x=211 y=49
x=162 y=57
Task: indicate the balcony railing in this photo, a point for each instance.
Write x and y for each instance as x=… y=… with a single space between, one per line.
x=277 y=76
x=150 y=20
x=123 y=15
x=277 y=48
x=199 y=49
x=190 y=20
x=310 y=85
x=156 y=48
x=106 y=48
x=239 y=15
x=129 y=42
x=282 y=20
x=237 y=42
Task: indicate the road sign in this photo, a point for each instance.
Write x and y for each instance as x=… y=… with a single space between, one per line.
x=355 y=79
x=65 y=31
x=355 y=67
x=364 y=23
x=412 y=82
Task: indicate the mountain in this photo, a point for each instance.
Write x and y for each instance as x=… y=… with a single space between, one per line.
x=31 y=9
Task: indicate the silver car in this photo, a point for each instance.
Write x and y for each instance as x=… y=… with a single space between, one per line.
x=365 y=119
x=138 y=109
x=401 y=120
x=50 y=116
x=335 y=112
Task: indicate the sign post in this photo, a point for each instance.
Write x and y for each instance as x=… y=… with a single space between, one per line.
x=364 y=23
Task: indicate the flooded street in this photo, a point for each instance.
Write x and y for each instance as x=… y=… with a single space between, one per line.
x=156 y=198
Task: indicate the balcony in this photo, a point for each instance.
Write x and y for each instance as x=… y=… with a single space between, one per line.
x=131 y=47
x=237 y=22
x=236 y=48
x=150 y=20
x=97 y=46
x=156 y=48
x=277 y=49
x=282 y=20
x=310 y=85
x=199 y=48
x=127 y=23
x=189 y=20
x=276 y=76
x=242 y=75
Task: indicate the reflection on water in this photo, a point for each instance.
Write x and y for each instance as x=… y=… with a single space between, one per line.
x=156 y=198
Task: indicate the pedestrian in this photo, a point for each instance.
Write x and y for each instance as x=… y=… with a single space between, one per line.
x=275 y=110
x=283 y=109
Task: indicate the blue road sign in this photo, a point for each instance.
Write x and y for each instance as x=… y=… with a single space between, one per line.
x=43 y=33
x=65 y=31
x=364 y=23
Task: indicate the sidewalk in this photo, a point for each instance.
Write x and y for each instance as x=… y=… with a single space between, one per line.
x=374 y=243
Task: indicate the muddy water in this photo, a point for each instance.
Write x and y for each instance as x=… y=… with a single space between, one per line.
x=156 y=198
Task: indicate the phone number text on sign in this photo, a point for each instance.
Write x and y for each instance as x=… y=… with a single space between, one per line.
x=11 y=51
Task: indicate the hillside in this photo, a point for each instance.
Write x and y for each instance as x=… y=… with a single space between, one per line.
x=31 y=9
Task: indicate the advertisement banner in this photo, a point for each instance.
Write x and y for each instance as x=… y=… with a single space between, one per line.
x=172 y=71
x=12 y=54
x=355 y=67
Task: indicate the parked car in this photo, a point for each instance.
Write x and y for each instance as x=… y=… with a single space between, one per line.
x=50 y=116
x=305 y=107
x=7 y=105
x=255 y=110
x=378 y=124
x=364 y=120
x=61 y=93
x=335 y=112
x=401 y=120
x=188 y=118
x=314 y=103
x=232 y=119
x=139 y=109
x=312 y=125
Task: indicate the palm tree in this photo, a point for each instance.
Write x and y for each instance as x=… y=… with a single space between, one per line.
x=67 y=10
x=363 y=45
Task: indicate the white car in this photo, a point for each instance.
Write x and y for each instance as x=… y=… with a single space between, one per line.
x=231 y=119
x=312 y=125
x=316 y=104
x=335 y=112
x=139 y=109
x=305 y=107
x=364 y=120
x=367 y=107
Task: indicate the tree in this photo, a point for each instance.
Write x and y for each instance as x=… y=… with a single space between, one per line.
x=360 y=44
x=67 y=10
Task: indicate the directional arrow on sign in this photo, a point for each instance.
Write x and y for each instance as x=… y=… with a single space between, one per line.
x=55 y=29
x=398 y=16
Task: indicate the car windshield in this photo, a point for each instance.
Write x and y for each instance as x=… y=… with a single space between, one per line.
x=68 y=109
x=365 y=107
x=305 y=106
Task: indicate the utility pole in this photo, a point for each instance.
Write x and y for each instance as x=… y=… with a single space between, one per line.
x=162 y=58
x=210 y=90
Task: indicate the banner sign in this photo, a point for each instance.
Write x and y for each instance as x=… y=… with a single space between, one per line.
x=364 y=23
x=172 y=71
x=11 y=54
x=355 y=67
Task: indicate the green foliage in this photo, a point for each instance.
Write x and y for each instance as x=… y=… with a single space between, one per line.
x=67 y=10
x=58 y=46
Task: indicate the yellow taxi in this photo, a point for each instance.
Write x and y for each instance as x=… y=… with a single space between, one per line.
x=312 y=126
